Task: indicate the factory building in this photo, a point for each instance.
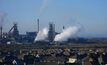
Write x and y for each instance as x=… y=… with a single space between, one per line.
x=31 y=36
x=13 y=32
x=14 y=36
x=51 y=33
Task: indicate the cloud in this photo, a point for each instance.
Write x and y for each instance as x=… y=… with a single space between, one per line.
x=43 y=6
x=42 y=35
x=67 y=33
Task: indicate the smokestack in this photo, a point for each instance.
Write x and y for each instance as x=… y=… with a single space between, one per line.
x=63 y=27
x=37 y=25
x=1 y=32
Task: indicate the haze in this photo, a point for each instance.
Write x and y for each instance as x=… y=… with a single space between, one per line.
x=90 y=14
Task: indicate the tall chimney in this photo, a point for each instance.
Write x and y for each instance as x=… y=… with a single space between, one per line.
x=63 y=27
x=1 y=32
x=37 y=25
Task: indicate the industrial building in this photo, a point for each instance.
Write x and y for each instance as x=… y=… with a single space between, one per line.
x=15 y=33
x=51 y=33
x=14 y=36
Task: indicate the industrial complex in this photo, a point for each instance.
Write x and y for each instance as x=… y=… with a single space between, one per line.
x=14 y=36
x=18 y=49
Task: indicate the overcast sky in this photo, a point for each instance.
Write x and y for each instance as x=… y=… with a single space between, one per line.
x=90 y=14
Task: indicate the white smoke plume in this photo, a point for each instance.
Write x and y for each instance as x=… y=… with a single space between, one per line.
x=43 y=6
x=67 y=33
x=42 y=35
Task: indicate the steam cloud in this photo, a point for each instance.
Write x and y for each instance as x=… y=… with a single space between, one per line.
x=43 y=6
x=42 y=35
x=67 y=33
